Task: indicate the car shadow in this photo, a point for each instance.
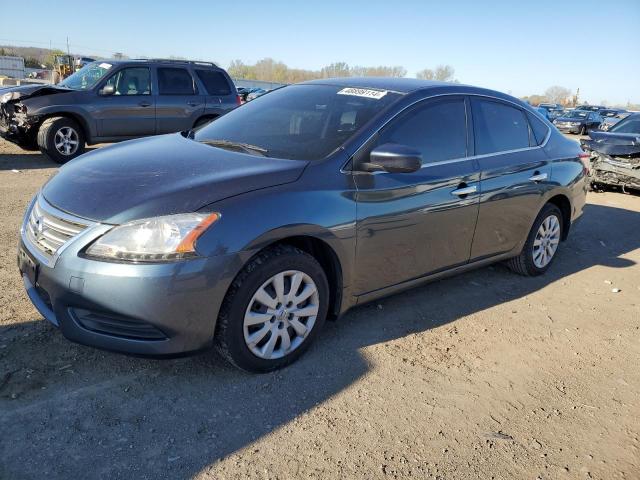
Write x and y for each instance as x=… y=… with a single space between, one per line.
x=28 y=160
x=65 y=407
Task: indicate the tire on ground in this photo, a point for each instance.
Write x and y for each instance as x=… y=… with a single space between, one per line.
x=229 y=337
x=46 y=138
x=523 y=264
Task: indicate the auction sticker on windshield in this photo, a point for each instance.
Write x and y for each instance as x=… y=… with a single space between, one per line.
x=363 y=92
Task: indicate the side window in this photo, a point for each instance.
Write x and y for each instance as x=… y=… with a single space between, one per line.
x=175 y=81
x=539 y=129
x=498 y=127
x=215 y=82
x=438 y=129
x=131 y=81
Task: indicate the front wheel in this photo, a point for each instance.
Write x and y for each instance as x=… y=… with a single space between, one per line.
x=61 y=139
x=273 y=310
x=542 y=243
x=583 y=130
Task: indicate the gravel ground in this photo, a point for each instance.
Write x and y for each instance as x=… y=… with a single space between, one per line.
x=485 y=375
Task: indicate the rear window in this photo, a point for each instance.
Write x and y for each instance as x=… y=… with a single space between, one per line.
x=215 y=82
x=498 y=127
x=175 y=81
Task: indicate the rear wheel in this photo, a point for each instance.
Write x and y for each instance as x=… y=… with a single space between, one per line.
x=542 y=243
x=61 y=139
x=273 y=310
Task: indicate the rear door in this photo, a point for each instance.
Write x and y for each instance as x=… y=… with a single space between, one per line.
x=514 y=174
x=130 y=111
x=412 y=224
x=179 y=102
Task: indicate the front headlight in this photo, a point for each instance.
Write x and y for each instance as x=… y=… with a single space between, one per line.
x=575 y=123
x=160 y=239
x=6 y=97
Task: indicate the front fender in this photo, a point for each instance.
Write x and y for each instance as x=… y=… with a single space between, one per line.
x=77 y=113
x=253 y=221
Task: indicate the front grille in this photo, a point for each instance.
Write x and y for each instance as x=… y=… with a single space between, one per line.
x=49 y=229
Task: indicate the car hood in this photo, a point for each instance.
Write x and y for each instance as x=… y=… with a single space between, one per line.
x=28 y=91
x=160 y=176
x=614 y=143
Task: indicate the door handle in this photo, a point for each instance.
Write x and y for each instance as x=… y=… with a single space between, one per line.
x=145 y=104
x=464 y=191
x=538 y=177
x=193 y=104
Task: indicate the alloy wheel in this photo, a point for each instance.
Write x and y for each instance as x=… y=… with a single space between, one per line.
x=546 y=242
x=66 y=141
x=281 y=314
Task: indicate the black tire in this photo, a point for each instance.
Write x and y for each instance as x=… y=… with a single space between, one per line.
x=229 y=337
x=523 y=264
x=583 y=130
x=46 y=138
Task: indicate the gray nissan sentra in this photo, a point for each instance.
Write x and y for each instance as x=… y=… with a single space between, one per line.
x=250 y=232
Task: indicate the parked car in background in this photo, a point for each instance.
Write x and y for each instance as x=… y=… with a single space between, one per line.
x=255 y=93
x=578 y=121
x=590 y=108
x=551 y=110
x=109 y=101
x=615 y=155
x=296 y=207
x=611 y=117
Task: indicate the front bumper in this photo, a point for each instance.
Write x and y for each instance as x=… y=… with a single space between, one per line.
x=17 y=127
x=145 y=309
x=568 y=128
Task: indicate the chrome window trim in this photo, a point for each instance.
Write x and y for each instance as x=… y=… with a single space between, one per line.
x=454 y=160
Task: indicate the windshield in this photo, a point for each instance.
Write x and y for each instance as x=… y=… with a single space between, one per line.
x=87 y=76
x=628 y=125
x=305 y=122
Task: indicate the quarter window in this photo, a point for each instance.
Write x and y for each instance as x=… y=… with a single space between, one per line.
x=437 y=129
x=498 y=127
x=215 y=82
x=538 y=128
x=175 y=81
x=131 y=81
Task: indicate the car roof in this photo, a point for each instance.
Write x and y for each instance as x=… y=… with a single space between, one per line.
x=409 y=85
x=164 y=61
x=395 y=84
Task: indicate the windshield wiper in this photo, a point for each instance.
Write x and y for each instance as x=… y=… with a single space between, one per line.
x=238 y=145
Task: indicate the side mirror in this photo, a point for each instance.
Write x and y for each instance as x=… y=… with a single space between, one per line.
x=107 y=90
x=393 y=158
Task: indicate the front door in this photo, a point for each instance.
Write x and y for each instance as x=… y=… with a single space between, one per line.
x=413 y=224
x=130 y=110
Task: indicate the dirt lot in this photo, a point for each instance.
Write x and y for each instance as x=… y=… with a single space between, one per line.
x=486 y=375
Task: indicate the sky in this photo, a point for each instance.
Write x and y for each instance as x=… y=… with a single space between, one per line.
x=520 y=47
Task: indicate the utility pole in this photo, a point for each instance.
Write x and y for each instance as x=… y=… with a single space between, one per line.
x=68 y=53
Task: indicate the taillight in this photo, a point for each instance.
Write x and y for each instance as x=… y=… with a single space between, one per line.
x=584 y=158
x=238 y=100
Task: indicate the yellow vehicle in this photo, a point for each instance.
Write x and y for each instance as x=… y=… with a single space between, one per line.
x=63 y=66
